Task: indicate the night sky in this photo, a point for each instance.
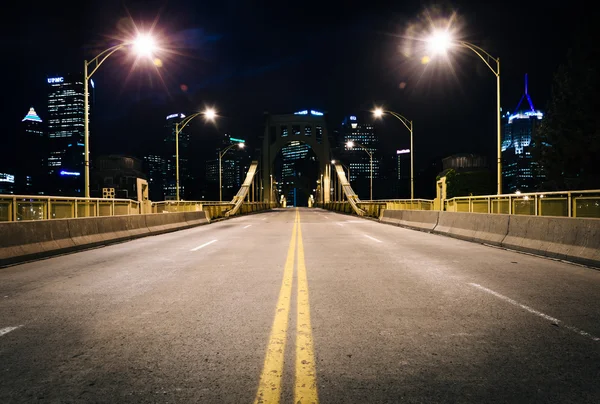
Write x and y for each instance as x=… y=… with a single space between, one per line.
x=249 y=57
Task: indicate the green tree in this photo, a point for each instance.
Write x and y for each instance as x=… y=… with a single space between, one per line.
x=567 y=144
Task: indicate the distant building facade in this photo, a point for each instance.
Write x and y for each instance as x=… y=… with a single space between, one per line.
x=65 y=126
x=358 y=131
x=7 y=184
x=32 y=171
x=118 y=172
x=520 y=171
x=170 y=154
x=155 y=167
x=234 y=164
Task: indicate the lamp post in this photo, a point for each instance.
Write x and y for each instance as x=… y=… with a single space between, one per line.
x=351 y=144
x=378 y=112
x=221 y=154
x=210 y=114
x=343 y=165
x=439 y=42
x=143 y=44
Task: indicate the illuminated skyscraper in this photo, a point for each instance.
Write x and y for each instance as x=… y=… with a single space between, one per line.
x=65 y=134
x=155 y=167
x=359 y=161
x=234 y=165
x=520 y=171
x=169 y=150
x=31 y=146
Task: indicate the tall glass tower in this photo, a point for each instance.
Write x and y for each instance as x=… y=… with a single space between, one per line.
x=170 y=183
x=520 y=171
x=65 y=135
x=354 y=129
x=32 y=173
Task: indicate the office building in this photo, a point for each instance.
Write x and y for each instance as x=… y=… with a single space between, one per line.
x=363 y=133
x=403 y=164
x=31 y=146
x=118 y=173
x=7 y=185
x=292 y=159
x=65 y=158
x=170 y=153
x=155 y=167
x=520 y=170
x=234 y=165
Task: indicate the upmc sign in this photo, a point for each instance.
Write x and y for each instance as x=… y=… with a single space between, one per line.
x=55 y=80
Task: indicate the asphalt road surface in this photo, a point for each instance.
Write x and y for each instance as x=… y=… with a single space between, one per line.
x=299 y=306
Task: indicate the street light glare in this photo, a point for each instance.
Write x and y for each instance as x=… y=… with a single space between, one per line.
x=144 y=45
x=439 y=42
x=350 y=144
x=378 y=112
x=241 y=145
x=210 y=114
x=332 y=161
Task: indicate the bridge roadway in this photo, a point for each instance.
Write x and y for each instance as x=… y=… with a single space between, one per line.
x=388 y=314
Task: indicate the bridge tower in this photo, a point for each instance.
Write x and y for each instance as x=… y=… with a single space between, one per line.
x=307 y=127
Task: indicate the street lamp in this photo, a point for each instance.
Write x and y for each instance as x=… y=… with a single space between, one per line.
x=142 y=45
x=350 y=145
x=378 y=112
x=210 y=114
x=439 y=42
x=343 y=165
x=221 y=154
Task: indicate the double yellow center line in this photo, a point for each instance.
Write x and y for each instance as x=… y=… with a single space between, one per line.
x=305 y=387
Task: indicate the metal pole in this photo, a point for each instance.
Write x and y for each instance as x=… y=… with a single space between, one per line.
x=177 y=160
x=412 y=152
x=499 y=129
x=86 y=129
x=220 y=187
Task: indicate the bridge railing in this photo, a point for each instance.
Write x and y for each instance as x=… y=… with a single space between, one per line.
x=39 y=207
x=406 y=204
x=560 y=203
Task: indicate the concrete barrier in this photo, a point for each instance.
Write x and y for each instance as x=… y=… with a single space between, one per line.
x=21 y=241
x=197 y=218
x=571 y=239
x=391 y=216
x=414 y=219
x=33 y=239
x=164 y=222
x=477 y=227
x=419 y=219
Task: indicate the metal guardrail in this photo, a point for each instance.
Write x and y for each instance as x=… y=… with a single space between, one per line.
x=584 y=204
x=406 y=204
x=39 y=207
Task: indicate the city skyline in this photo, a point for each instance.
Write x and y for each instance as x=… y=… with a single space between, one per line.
x=426 y=93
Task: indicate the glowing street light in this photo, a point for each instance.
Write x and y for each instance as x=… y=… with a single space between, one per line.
x=350 y=145
x=439 y=42
x=210 y=114
x=378 y=113
x=143 y=45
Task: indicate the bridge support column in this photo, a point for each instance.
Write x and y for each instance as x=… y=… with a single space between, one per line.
x=326 y=185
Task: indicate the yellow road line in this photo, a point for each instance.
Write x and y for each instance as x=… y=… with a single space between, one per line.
x=306 y=376
x=269 y=388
